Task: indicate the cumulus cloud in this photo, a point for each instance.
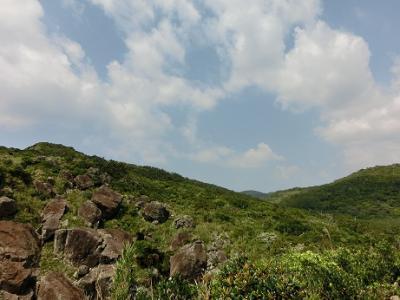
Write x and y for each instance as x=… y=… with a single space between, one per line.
x=253 y=158
x=47 y=79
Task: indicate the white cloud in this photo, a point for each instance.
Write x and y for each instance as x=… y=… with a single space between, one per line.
x=253 y=158
x=48 y=79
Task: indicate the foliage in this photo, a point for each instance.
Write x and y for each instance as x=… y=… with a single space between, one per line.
x=332 y=274
x=334 y=241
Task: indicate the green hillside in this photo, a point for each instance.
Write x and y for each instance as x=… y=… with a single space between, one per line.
x=372 y=192
x=274 y=250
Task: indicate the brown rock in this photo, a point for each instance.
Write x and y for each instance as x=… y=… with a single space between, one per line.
x=55 y=286
x=19 y=255
x=79 y=245
x=51 y=217
x=180 y=239
x=155 y=211
x=141 y=201
x=215 y=258
x=83 y=182
x=19 y=242
x=184 y=222
x=8 y=207
x=44 y=188
x=97 y=284
x=107 y=200
x=8 y=296
x=115 y=241
x=14 y=278
x=90 y=213
x=190 y=261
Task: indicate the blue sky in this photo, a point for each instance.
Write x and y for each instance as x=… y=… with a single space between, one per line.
x=258 y=94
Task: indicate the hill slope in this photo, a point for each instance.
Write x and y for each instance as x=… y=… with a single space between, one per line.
x=289 y=243
x=372 y=192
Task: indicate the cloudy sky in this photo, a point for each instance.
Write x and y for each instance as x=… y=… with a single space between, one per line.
x=256 y=94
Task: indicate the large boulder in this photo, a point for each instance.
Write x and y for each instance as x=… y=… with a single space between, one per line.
x=55 y=286
x=79 y=245
x=180 y=239
x=155 y=211
x=90 y=213
x=19 y=256
x=115 y=241
x=84 y=182
x=44 y=188
x=86 y=246
x=51 y=217
x=107 y=201
x=97 y=283
x=184 y=222
x=8 y=207
x=19 y=242
x=15 y=278
x=190 y=261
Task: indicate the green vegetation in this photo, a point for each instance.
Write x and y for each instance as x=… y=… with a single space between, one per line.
x=337 y=241
x=373 y=192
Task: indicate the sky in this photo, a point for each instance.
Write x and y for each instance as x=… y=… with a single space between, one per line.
x=256 y=94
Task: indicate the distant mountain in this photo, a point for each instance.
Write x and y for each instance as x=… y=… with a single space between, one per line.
x=255 y=194
x=369 y=192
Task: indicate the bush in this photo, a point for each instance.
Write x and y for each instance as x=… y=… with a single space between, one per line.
x=335 y=274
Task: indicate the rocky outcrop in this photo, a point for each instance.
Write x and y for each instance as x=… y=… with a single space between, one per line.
x=107 y=200
x=51 y=217
x=179 y=240
x=79 y=245
x=190 y=261
x=90 y=213
x=114 y=241
x=86 y=246
x=184 y=222
x=141 y=201
x=44 y=188
x=56 y=286
x=97 y=283
x=155 y=211
x=8 y=207
x=84 y=182
x=19 y=256
x=215 y=258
